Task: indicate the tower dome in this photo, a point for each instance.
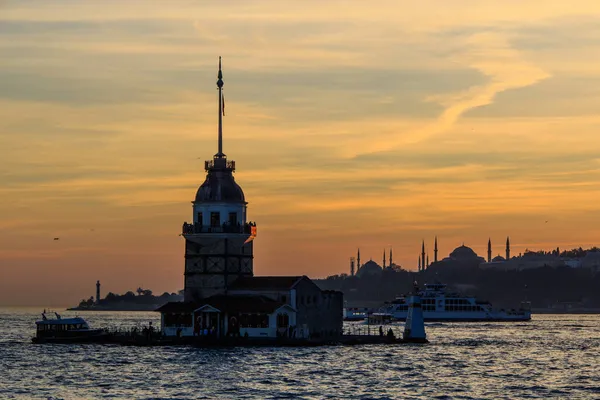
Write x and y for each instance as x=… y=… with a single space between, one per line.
x=219 y=185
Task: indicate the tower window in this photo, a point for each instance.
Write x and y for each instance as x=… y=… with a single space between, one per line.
x=199 y=219
x=215 y=219
x=232 y=218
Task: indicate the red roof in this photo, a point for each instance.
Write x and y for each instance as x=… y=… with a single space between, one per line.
x=266 y=282
x=226 y=303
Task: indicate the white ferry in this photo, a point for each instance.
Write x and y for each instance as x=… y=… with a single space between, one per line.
x=440 y=305
x=65 y=330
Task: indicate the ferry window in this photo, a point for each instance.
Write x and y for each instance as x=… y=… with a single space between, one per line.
x=215 y=219
x=199 y=218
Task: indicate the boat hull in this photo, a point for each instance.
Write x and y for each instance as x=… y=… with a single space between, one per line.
x=96 y=336
x=453 y=317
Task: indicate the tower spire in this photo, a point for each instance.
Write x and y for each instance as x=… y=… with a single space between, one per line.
x=390 y=256
x=507 y=248
x=358 y=259
x=221 y=109
x=490 y=250
x=435 y=250
x=383 y=258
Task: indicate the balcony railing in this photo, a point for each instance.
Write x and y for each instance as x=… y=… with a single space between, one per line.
x=219 y=163
x=246 y=228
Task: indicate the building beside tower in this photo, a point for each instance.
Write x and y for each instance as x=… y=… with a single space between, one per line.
x=221 y=295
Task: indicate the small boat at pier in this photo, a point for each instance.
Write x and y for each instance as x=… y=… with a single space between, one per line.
x=66 y=330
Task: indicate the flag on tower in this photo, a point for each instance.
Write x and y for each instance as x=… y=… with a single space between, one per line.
x=252 y=234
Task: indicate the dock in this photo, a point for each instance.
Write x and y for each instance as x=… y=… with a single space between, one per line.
x=353 y=337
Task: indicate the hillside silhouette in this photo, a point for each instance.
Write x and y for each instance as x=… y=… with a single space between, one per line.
x=545 y=287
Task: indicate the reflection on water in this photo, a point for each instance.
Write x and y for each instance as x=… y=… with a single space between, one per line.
x=551 y=356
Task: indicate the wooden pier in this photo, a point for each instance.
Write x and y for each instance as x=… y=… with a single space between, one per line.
x=351 y=337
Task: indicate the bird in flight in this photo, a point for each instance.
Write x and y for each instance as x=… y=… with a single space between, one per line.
x=56 y=238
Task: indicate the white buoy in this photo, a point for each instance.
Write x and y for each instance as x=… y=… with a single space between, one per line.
x=414 y=327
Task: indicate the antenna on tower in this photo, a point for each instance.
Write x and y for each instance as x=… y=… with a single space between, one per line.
x=221 y=110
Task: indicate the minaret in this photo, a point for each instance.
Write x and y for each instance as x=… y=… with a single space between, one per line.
x=490 y=250
x=358 y=260
x=383 y=258
x=427 y=261
x=423 y=255
x=419 y=263
x=351 y=266
x=435 y=250
x=219 y=241
x=507 y=248
x=97 y=291
x=391 y=257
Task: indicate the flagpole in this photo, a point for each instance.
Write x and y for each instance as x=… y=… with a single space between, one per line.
x=220 y=86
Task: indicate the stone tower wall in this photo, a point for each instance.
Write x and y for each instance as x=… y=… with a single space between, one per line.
x=213 y=262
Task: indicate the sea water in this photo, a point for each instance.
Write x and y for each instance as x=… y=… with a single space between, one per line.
x=552 y=356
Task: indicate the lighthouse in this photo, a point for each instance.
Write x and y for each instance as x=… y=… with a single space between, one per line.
x=218 y=241
x=97 y=292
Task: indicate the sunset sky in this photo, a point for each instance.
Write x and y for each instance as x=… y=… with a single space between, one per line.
x=352 y=124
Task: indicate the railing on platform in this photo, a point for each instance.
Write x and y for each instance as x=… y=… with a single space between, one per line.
x=219 y=163
x=225 y=228
x=373 y=330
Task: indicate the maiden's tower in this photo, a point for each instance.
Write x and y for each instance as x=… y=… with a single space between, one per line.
x=218 y=243
x=222 y=297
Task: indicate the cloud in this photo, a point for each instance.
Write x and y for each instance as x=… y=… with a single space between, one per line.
x=489 y=53
x=401 y=120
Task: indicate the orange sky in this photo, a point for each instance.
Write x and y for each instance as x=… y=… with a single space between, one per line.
x=351 y=125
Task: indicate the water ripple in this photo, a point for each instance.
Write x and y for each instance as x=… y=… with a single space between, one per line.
x=550 y=357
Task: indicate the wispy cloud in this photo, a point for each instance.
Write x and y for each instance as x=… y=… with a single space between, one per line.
x=489 y=53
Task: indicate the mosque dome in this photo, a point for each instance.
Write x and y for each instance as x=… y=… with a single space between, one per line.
x=498 y=259
x=369 y=268
x=463 y=253
x=220 y=186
